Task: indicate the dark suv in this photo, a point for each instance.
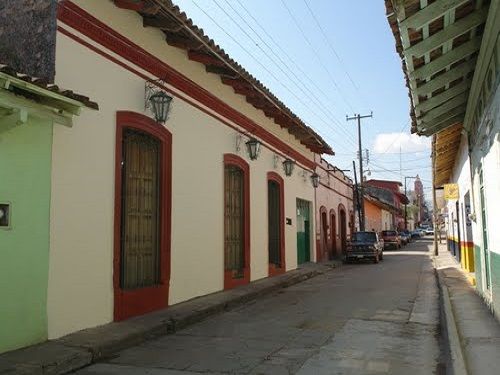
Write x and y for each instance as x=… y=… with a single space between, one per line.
x=365 y=245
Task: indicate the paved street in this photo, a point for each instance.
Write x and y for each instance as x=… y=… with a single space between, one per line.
x=359 y=319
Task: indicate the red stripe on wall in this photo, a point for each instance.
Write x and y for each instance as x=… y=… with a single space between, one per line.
x=91 y=27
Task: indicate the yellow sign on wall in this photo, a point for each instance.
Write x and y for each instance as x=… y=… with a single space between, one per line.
x=450 y=192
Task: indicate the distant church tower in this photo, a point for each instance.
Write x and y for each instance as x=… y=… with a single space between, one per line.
x=419 y=196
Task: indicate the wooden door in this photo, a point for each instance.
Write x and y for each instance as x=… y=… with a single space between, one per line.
x=140 y=234
x=333 y=234
x=142 y=216
x=303 y=232
x=274 y=223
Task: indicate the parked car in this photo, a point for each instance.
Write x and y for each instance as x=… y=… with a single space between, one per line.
x=405 y=236
x=429 y=231
x=365 y=245
x=391 y=239
x=415 y=234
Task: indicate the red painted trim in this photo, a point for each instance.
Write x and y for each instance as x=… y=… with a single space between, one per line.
x=85 y=23
x=229 y=281
x=272 y=269
x=128 y=303
x=333 y=231
x=129 y=4
x=320 y=250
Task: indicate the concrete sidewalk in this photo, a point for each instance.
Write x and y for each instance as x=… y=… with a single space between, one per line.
x=82 y=348
x=473 y=332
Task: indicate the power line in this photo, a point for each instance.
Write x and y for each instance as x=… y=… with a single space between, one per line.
x=286 y=55
x=316 y=54
x=258 y=62
x=330 y=45
x=295 y=80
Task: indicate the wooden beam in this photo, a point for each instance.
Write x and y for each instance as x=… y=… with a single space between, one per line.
x=460 y=110
x=445 y=78
x=205 y=58
x=444 y=124
x=443 y=97
x=455 y=29
x=235 y=82
x=162 y=23
x=179 y=41
x=447 y=59
x=221 y=70
x=245 y=90
x=459 y=100
x=9 y=100
x=430 y=13
x=15 y=118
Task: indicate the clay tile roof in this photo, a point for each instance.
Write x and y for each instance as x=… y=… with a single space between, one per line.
x=6 y=69
x=181 y=32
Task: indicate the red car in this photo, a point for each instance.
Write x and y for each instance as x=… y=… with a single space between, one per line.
x=391 y=238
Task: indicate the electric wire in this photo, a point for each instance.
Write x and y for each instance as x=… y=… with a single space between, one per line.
x=316 y=55
x=282 y=63
x=269 y=72
x=330 y=45
x=295 y=79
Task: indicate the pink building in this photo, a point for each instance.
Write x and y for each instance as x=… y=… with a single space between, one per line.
x=399 y=199
x=334 y=211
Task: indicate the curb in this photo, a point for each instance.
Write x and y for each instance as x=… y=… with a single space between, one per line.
x=83 y=348
x=455 y=345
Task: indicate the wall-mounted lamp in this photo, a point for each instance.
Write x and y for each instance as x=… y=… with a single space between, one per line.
x=288 y=166
x=157 y=100
x=315 y=179
x=253 y=148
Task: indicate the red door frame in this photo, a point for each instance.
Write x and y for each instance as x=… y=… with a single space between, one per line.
x=333 y=232
x=128 y=303
x=273 y=270
x=229 y=281
x=322 y=243
x=342 y=227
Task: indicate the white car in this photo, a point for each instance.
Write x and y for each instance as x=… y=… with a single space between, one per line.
x=429 y=231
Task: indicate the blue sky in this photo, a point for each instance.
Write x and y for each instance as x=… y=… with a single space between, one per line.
x=325 y=59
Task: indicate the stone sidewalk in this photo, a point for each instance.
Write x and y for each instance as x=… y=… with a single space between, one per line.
x=473 y=332
x=85 y=347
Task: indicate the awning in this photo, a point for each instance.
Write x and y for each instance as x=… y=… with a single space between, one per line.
x=22 y=95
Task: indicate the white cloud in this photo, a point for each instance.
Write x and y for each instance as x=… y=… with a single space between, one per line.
x=392 y=142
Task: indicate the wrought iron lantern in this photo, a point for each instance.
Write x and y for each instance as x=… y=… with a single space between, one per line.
x=157 y=100
x=253 y=148
x=315 y=179
x=288 y=166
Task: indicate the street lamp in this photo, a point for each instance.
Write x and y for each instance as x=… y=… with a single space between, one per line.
x=406 y=204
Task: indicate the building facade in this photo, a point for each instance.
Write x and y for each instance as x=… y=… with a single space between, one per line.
x=455 y=98
x=136 y=212
x=334 y=211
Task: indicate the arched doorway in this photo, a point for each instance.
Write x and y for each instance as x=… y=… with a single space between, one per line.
x=343 y=227
x=323 y=254
x=333 y=233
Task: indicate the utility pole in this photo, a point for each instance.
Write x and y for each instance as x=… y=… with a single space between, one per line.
x=361 y=192
x=358 y=204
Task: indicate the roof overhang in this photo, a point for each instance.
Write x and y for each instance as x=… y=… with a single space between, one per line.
x=22 y=96
x=180 y=32
x=439 y=43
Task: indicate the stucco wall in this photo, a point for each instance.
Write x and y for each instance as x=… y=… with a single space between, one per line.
x=373 y=217
x=81 y=268
x=25 y=154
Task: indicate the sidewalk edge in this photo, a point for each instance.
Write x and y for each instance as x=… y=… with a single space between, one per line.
x=455 y=345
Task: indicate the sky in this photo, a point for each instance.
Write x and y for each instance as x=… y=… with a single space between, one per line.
x=326 y=59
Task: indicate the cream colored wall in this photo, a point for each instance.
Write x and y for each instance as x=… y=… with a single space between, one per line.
x=82 y=205
x=130 y=25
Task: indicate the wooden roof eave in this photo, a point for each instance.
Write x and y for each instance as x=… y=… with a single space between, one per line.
x=181 y=33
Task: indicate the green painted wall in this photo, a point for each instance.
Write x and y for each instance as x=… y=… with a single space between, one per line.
x=25 y=169
x=478 y=271
x=495 y=281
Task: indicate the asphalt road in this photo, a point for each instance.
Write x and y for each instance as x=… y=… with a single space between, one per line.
x=358 y=319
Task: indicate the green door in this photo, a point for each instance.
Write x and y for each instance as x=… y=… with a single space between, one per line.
x=303 y=231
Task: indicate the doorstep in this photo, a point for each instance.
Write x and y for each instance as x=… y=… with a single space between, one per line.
x=85 y=347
